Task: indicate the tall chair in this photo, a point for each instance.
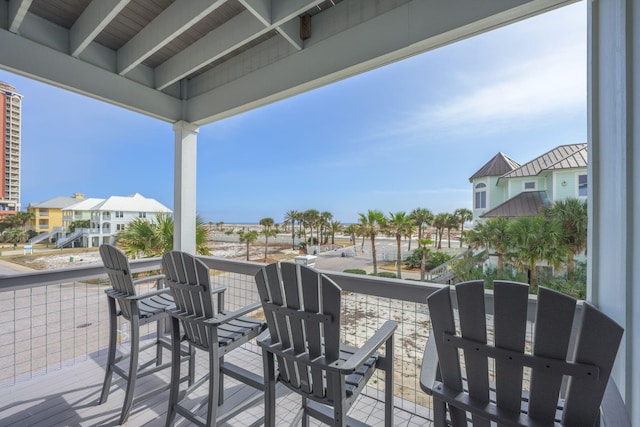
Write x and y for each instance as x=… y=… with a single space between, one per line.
x=569 y=341
x=206 y=326
x=302 y=308
x=138 y=310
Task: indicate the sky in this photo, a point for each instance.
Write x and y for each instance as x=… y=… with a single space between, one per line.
x=403 y=136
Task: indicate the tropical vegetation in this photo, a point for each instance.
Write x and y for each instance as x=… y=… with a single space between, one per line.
x=146 y=238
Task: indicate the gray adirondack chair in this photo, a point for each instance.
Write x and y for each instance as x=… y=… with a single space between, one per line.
x=581 y=349
x=138 y=310
x=302 y=308
x=207 y=326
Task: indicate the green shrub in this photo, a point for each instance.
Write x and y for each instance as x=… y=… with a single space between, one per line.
x=386 y=274
x=354 y=271
x=434 y=259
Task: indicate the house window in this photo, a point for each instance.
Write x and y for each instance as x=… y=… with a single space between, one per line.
x=120 y=227
x=481 y=196
x=142 y=214
x=531 y=185
x=582 y=185
x=119 y=214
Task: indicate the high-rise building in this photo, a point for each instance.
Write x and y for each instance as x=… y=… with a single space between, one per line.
x=10 y=120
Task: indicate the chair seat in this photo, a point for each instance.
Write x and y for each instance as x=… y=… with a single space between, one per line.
x=155 y=305
x=237 y=329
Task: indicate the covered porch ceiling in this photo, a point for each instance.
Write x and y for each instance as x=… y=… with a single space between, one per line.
x=199 y=61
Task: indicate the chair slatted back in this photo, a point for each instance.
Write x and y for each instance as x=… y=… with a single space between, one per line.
x=302 y=308
x=550 y=358
x=117 y=266
x=189 y=280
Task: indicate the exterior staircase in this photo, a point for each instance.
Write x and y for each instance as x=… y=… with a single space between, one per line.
x=65 y=241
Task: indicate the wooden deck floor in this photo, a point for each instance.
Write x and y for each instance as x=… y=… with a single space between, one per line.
x=69 y=396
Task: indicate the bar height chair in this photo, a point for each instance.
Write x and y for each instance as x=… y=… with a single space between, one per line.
x=465 y=389
x=302 y=308
x=138 y=310
x=207 y=326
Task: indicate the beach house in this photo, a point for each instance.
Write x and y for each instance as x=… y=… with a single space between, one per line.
x=503 y=187
x=105 y=217
x=47 y=215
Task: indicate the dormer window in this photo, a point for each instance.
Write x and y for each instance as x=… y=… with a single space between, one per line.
x=481 y=196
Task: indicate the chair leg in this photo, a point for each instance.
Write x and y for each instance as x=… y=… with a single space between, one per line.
x=192 y=364
x=133 y=370
x=159 y=331
x=113 y=338
x=388 y=383
x=220 y=383
x=214 y=388
x=305 y=414
x=439 y=413
x=269 y=389
x=175 y=371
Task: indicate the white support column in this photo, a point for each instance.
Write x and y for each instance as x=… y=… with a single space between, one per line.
x=614 y=180
x=184 y=187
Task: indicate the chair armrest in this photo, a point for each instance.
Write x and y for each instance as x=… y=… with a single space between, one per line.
x=613 y=411
x=225 y=318
x=150 y=294
x=429 y=370
x=218 y=290
x=366 y=351
x=155 y=278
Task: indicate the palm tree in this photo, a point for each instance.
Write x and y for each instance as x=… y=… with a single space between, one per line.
x=440 y=223
x=146 y=238
x=409 y=232
x=397 y=226
x=462 y=215
x=423 y=245
x=335 y=227
x=451 y=222
x=324 y=224
x=536 y=239
x=493 y=234
x=352 y=230
x=371 y=224
x=267 y=231
x=421 y=217
x=311 y=218
x=248 y=237
x=291 y=217
x=572 y=214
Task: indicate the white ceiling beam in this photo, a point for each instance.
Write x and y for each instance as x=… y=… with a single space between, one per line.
x=261 y=9
x=290 y=30
x=235 y=33
x=17 y=11
x=403 y=31
x=172 y=22
x=96 y=16
x=30 y=59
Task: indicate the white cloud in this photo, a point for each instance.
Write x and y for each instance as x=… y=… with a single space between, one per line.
x=549 y=85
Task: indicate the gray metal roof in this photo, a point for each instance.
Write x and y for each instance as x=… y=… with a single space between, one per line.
x=199 y=61
x=562 y=157
x=528 y=203
x=499 y=165
x=60 y=202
